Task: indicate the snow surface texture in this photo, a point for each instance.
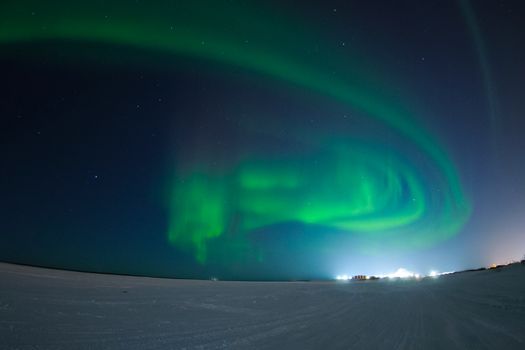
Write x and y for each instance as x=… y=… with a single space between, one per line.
x=53 y=309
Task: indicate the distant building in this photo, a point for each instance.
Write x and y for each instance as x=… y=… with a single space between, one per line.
x=360 y=277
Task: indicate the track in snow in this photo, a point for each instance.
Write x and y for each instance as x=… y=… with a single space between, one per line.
x=54 y=309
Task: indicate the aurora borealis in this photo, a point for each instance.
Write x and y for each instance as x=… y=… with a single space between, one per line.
x=276 y=132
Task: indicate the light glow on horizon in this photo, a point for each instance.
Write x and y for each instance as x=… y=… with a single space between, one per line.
x=343 y=277
x=402 y=273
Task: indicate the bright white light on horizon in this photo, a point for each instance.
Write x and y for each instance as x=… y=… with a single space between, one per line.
x=436 y=273
x=342 y=277
x=402 y=273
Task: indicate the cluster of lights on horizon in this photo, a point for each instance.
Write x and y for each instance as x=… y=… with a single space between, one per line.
x=399 y=273
x=403 y=273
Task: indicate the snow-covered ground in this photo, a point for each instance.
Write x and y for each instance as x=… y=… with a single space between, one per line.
x=52 y=309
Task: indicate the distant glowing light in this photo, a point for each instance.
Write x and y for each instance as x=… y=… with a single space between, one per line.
x=402 y=273
x=446 y=273
x=436 y=273
x=342 y=277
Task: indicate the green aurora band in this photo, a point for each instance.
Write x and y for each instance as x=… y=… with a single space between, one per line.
x=361 y=187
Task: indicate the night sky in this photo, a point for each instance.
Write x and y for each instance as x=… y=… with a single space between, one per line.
x=262 y=140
